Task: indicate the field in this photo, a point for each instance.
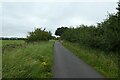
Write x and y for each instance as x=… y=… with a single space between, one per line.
x=0 y=59
x=101 y=61
x=7 y=42
x=0 y=43
x=22 y=60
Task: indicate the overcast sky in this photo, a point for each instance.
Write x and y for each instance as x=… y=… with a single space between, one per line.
x=18 y=18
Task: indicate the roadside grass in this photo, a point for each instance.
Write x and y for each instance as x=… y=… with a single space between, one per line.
x=0 y=59
x=99 y=60
x=28 y=61
x=8 y=45
x=0 y=43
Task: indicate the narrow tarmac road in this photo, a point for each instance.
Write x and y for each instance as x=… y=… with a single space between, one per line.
x=67 y=65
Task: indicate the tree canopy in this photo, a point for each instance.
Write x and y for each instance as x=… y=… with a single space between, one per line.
x=105 y=36
x=60 y=31
x=39 y=35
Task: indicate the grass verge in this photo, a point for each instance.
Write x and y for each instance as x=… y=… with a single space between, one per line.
x=28 y=61
x=99 y=60
x=0 y=59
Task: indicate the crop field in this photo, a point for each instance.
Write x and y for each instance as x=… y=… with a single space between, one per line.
x=22 y=60
x=7 y=42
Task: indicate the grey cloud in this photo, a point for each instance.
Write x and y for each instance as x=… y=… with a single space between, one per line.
x=19 y=18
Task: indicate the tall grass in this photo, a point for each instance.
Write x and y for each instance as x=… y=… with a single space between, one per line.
x=0 y=59
x=28 y=61
x=106 y=64
x=0 y=43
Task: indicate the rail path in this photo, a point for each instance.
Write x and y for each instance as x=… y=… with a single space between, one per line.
x=67 y=65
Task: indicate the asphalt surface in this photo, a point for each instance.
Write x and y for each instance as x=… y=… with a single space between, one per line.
x=67 y=65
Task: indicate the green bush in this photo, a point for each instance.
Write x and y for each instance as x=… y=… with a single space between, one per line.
x=104 y=36
x=39 y=35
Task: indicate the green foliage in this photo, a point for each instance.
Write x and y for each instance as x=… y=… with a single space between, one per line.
x=107 y=64
x=28 y=61
x=118 y=13
x=111 y=33
x=39 y=35
x=60 y=31
x=105 y=36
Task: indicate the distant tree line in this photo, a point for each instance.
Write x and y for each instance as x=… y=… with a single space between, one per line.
x=12 y=38
x=105 y=36
x=35 y=36
x=39 y=35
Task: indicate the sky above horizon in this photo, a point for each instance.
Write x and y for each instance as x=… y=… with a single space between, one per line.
x=19 y=18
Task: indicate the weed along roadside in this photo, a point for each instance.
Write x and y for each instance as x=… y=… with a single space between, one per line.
x=97 y=44
x=74 y=41
x=28 y=61
x=99 y=60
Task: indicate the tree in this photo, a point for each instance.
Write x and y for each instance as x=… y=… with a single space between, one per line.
x=38 y=35
x=118 y=13
x=60 y=31
x=104 y=36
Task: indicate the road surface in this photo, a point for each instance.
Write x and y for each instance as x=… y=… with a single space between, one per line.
x=67 y=65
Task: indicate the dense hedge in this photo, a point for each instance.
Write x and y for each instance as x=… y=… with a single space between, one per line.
x=105 y=36
x=12 y=38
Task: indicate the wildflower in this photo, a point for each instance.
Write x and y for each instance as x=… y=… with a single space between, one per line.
x=44 y=63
